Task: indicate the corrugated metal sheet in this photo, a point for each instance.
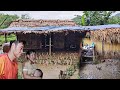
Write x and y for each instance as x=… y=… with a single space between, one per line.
x=102 y=26
x=55 y=28
x=27 y=28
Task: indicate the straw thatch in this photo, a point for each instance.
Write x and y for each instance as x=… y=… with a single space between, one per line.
x=111 y=35
x=39 y=23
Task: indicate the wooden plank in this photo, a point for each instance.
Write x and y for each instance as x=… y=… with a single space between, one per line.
x=89 y=62
x=88 y=56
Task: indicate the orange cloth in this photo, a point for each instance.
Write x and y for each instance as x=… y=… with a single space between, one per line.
x=8 y=69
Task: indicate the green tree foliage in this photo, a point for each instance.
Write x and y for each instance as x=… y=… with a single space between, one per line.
x=114 y=20
x=83 y=20
x=5 y=20
x=94 y=18
x=77 y=19
x=25 y=16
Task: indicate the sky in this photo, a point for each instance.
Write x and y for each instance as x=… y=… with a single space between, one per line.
x=48 y=14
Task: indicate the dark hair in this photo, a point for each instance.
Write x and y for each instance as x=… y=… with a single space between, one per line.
x=6 y=48
x=16 y=42
x=40 y=72
x=29 y=52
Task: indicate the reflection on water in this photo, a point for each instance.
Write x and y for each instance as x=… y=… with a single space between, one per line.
x=98 y=44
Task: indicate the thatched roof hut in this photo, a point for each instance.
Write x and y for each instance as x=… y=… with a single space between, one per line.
x=37 y=31
x=47 y=34
x=111 y=32
x=59 y=35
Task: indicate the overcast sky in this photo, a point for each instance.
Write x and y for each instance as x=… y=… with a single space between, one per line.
x=47 y=14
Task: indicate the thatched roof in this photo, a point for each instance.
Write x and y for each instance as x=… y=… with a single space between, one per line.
x=46 y=29
x=109 y=35
x=39 y=30
x=41 y=23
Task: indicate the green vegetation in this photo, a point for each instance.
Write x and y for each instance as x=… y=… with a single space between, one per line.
x=25 y=16
x=5 y=21
x=19 y=76
x=97 y=18
x=114 y=20
x=71 y=70
x=78 y=77
x=96 y=62
x=2 y=39
x=9 y=38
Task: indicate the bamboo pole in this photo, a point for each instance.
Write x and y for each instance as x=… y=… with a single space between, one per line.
x=16 y=36
x=94 y=54
x=103 y=41
x=50 y=45
x=50 y=48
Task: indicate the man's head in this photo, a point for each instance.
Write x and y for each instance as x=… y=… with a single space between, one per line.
x=6 y=47
x=16 y=47
x=38 y=73
x=31 y=55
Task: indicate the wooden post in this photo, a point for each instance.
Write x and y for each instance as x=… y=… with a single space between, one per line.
x=5 y=37
x=30 y=42
x=103 y=45
x=16 y=36
x=80 y=51
x=94 y=54
x=50 y=48
x=50 y=45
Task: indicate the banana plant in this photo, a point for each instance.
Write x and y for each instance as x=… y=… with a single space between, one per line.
x=83 y=20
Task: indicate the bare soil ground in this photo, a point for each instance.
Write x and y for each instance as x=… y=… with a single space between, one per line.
x=110 y=69
x=50 y=71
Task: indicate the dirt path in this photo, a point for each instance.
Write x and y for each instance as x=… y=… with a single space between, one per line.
x=51 y=71
x=110 y=69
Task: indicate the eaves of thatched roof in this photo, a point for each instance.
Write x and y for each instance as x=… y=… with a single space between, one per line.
x=41 y=23
x=46 y=29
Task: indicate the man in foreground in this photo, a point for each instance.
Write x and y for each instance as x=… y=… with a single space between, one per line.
x=8 y=61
